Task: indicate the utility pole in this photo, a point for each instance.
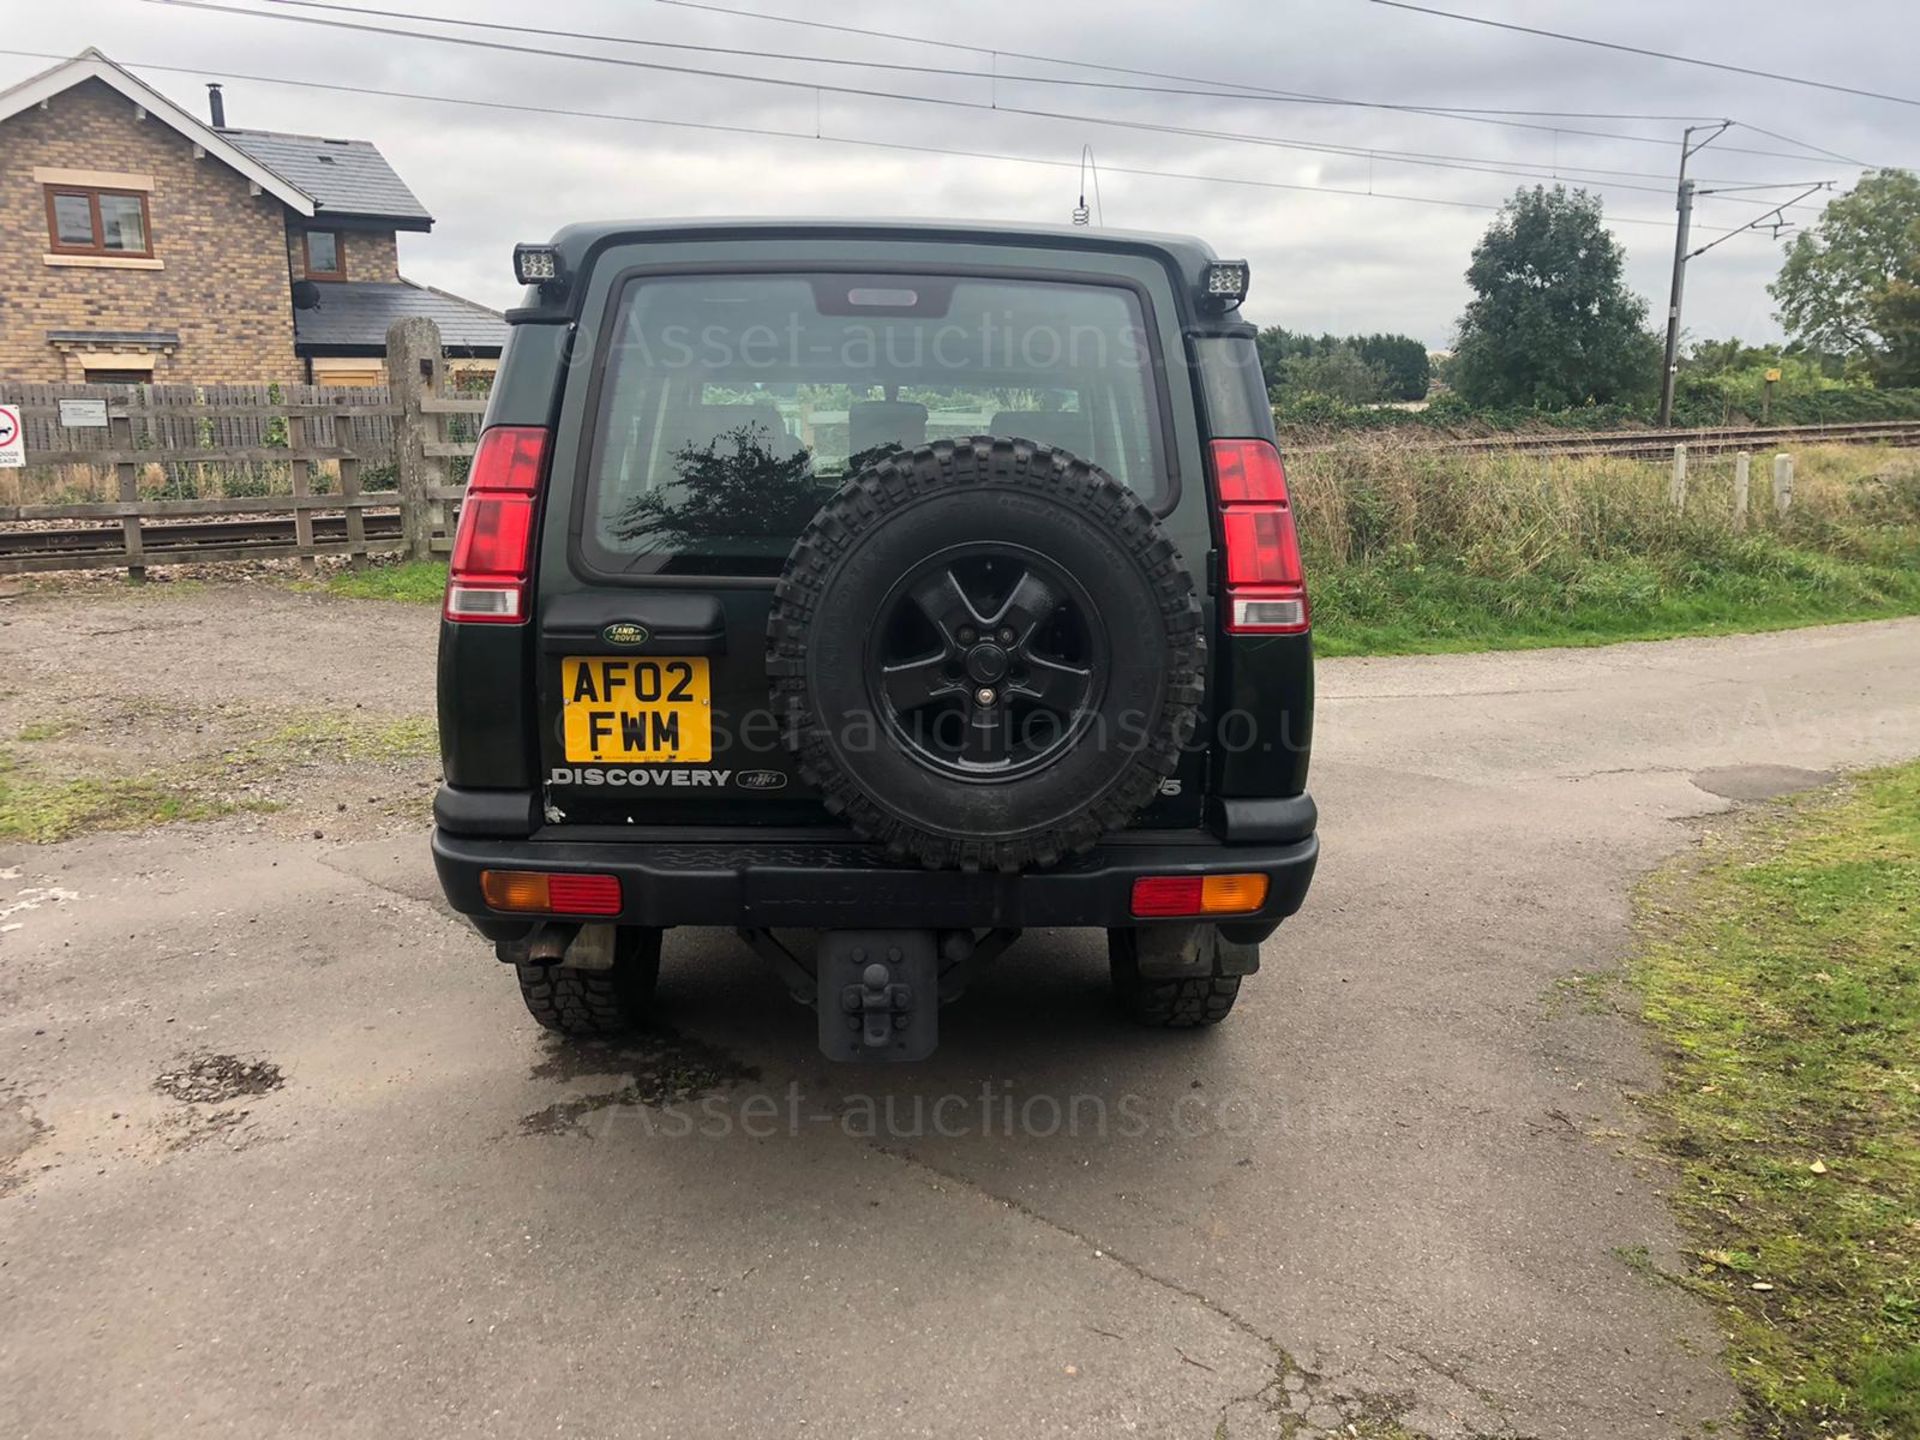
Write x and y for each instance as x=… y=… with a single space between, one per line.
x=1774 y=220
x=1683 y=202
x=1680 y=234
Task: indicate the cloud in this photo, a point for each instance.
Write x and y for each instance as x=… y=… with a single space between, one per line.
x=1320 y=261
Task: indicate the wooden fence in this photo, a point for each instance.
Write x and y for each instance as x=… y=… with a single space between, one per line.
x=299 y=455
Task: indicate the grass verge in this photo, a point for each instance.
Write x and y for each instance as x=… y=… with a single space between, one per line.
x=1420 y=608
x=1413 y=550
x=1782 y=972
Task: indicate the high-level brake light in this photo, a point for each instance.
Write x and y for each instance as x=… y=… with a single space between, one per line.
x=1266 y=590
x=493 y=546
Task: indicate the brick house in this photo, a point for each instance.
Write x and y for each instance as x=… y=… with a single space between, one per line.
x=138 y=243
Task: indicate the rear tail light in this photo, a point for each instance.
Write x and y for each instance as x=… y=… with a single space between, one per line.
x=1165 y=896
x=493 y=546
x=1266 y=586
x=536 y=892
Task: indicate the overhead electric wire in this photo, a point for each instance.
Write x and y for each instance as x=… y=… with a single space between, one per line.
x=1804 y=145
x=1479 y=114
x=1480 y=165
x=1653 y=54
x=1212 y=81
x=1469 y=114
x=565 y=112
x=1213 y=89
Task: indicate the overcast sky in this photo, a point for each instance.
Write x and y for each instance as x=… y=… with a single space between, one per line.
x=1321 y=261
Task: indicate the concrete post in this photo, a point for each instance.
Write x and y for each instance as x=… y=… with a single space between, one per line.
x=1742 y=483
x=413 y=354
x=1677 y=488
x=1782 y=484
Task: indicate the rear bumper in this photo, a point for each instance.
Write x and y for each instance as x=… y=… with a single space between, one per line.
x=841 y=884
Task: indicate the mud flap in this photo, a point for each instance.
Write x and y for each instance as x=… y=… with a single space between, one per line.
x=1191 y=952
x=879 y=994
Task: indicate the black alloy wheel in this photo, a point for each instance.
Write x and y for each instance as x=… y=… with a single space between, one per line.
x=988 y=662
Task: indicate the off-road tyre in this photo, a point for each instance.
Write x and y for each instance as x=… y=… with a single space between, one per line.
x=1186 y=1004
x=895 y=514
x=596 y=1003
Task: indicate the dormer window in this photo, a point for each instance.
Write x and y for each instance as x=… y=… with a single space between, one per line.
x=324 y=258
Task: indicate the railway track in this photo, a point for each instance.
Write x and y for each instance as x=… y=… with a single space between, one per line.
x=1651 y=444
x=179 y=541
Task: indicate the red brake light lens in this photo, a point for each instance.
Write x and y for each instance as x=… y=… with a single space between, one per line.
x=493 y=546
x=1266 y=590
x=1167 y=895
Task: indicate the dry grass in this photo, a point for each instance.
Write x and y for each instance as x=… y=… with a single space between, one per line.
x=1500 y=514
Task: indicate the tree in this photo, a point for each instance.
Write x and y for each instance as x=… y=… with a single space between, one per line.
x=1403 y=363
x=1399 y=364
x=1863 y=242
x=1552 y=323
x=1341 y=372
x=1894 y=312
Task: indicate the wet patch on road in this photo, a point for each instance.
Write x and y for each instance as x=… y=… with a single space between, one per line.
x=213 y=1079
x=1759 y=782
x=661 y=1068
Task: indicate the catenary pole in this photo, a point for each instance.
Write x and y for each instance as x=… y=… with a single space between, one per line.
x=1683 y=203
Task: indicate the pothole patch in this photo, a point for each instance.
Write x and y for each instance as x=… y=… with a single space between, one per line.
x=1758 y=782
x=215 y=1079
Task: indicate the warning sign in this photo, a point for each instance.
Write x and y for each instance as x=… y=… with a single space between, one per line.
x=13 y=445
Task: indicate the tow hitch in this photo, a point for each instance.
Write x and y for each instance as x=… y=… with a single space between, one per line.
x=878 y=992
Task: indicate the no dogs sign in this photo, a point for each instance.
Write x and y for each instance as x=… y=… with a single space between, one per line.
x=13 y=445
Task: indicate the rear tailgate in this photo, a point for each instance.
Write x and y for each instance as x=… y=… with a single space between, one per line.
x=721 y=405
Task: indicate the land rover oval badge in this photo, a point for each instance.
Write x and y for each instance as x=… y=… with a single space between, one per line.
x=624 y=632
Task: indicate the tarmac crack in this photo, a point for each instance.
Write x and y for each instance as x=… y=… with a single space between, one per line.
x=1296 y=1402
x=1101 y=1251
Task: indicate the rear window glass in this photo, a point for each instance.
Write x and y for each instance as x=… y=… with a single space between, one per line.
x=733 y=405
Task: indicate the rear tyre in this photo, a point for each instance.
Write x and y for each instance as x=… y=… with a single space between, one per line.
x=1184 y=1004
x=596 y=1003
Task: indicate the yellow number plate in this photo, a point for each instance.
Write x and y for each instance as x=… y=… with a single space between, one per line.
x=640 y=710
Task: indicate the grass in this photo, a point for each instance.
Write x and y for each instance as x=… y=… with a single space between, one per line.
x=43 y=809
x=1782 y=973
x=345 y=739
x=41 y=804
x=1414 y=551
x=416 y=581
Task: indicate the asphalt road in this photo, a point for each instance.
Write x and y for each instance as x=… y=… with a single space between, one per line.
x=1394 y=1189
